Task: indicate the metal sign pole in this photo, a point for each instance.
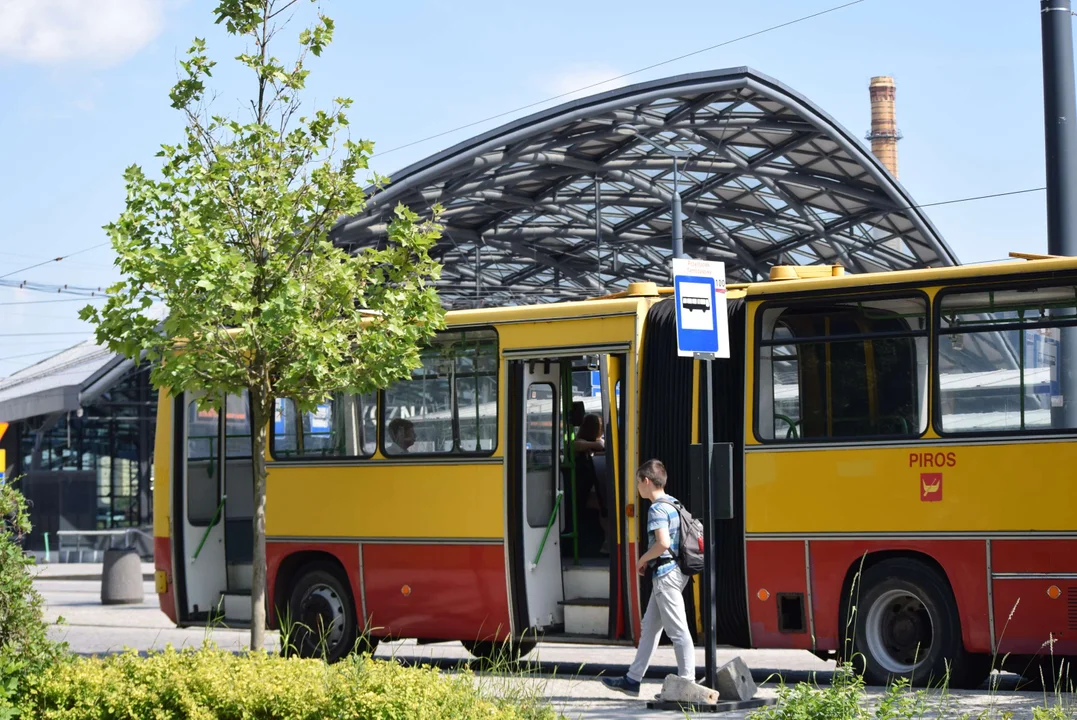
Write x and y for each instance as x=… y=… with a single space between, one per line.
x=710 y=624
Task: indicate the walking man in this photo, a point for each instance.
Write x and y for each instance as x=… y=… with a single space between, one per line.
x=665 y=611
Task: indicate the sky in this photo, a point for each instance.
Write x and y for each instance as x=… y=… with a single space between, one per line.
x=84 y=93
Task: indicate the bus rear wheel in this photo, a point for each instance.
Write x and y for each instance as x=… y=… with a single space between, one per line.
x=322 y=615
x=907 y=626
x=497 y=652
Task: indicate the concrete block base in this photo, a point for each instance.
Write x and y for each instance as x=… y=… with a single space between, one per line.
x=735 y=681
x=677 y=689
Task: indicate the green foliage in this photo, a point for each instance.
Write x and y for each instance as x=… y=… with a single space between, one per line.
x=233 y=236
x=843 y=698
x=25 y=648
x=211 y=683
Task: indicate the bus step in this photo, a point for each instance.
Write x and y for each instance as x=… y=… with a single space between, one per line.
x=587 y=616
x=236 y=606
x=586 y=581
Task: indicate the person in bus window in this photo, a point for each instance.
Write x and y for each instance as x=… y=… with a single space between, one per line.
x=402 y=435
x=588 y=443
x=665 y=611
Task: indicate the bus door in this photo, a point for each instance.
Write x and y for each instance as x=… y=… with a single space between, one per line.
x=218 y=505
x=541 y=495
x=239 y=495
x=200 y=504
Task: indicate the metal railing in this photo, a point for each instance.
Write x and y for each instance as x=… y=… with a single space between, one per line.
x=125 y=533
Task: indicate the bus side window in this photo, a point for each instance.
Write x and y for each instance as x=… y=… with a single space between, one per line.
x=449 y=405
x=997 y=359
x=843 y=369
x=476 y=393
x=343 y=425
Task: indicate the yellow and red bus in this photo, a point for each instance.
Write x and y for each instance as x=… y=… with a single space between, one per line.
x=902 y=443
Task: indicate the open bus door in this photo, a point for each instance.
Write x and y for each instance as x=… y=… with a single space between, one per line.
x=214 y=505
x=564 y=584
x=199 y=500
x=541 y=496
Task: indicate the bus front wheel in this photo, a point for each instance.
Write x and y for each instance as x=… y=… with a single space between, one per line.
x=322 y=615
x=907 y=625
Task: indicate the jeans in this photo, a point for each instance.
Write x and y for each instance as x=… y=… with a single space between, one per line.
x=665 y=611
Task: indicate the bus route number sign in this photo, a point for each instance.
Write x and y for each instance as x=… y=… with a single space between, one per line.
x=702 y=323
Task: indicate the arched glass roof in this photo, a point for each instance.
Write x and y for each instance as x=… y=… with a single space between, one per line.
x=563 y=204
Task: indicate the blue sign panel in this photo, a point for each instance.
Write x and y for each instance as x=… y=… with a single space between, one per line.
x=697 y=323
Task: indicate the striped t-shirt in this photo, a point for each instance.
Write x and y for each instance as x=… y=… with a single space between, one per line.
x=664 y=515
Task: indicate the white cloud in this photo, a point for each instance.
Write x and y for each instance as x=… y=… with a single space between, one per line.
x=583 y=80
x=98 y=32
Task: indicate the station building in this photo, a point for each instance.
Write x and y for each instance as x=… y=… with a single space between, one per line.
x=79 y=443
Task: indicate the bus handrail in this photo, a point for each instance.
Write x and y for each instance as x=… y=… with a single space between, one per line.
x=212 y=524
x=792 y=425
x=553 y=517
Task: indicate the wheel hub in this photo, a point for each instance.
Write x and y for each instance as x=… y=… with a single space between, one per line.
x=899 y=631
x=322 y=614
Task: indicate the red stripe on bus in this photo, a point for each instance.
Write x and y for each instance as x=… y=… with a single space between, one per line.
x=437 y=592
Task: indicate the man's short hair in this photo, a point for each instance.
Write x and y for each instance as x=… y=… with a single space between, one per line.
x=654 y=471
x=399 y=425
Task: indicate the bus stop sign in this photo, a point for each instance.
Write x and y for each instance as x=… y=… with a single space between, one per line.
x=702 y=323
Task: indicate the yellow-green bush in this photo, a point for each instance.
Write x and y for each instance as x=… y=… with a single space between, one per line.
x=211 y=683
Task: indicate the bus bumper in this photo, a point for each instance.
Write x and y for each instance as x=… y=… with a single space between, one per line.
x=162 y=576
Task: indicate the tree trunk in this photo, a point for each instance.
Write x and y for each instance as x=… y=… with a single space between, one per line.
x=258 y=580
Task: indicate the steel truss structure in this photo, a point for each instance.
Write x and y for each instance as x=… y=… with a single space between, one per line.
x=563 y=204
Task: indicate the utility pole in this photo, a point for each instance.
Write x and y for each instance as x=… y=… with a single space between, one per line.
x=1060 y=126
x=1060 y=145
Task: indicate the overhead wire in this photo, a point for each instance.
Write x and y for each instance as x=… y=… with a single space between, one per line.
x=52 y=260
x=975 y=197
x=38 y=334
x=55 y=289
x=63 y=300
x=652 y=66
x=26 y=355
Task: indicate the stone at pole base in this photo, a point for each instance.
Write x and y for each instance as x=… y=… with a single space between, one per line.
x=677 y=689
x=735 y=681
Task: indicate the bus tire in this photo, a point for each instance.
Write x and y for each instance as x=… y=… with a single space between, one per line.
x=907 y=626
x=497 y=652
x=1048 y=673
x=322 y=612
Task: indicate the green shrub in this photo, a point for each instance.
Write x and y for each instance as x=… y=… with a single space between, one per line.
x=211 y=683
x=843 y=698
x=25 y=648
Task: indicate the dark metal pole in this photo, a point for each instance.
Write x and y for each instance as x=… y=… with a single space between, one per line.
x=1060 y=144
x=1060 y=127
x=709 y=594
x=598 y=233
x=675 y=210
x=708 y=591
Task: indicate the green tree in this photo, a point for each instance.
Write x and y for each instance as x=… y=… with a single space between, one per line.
x=232 y=239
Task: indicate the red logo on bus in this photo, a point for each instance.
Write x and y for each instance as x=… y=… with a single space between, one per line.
x=930 y=487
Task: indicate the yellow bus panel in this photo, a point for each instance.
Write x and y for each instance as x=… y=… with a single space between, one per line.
x=568 y=333
x=391 y=501
x=162 y=466
x=996 y=487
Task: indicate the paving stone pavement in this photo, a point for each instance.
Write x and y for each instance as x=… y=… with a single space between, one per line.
x=565 y=674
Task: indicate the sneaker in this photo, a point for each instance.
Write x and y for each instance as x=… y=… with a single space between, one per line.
x=623 y=684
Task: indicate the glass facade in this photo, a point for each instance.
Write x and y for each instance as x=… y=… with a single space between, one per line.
x=91 y=469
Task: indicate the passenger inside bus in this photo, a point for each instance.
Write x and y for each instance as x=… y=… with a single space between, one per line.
x=402 y=435
x=590 y=497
